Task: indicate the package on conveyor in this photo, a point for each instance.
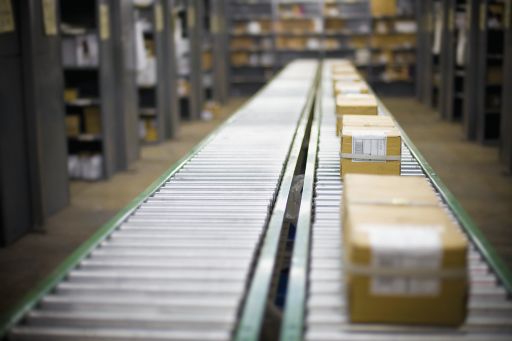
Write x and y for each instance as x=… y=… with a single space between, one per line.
x=354 y=104
x=405 y=259
x=350 y=87
x=342 y=65
x=370 y=144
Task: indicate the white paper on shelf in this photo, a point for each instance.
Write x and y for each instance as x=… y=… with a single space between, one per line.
x=140 y=50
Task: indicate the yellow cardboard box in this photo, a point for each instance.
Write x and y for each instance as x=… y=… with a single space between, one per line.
x=381 y=8
x=92 y=120
x=354 y=104
x=405 y=259
x=349 y=87
x=72 y=125
x=70 y=94
x=370 y=147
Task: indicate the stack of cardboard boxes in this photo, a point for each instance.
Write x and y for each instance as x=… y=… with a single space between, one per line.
x=405 y=259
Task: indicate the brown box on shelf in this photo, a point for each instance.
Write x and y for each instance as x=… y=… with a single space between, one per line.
x=405 y=259
x=240 y=58
x=370 y=144
x=151 y=131
x=92 y=120
x=70 y=94
x=206 y=61
x=354 y=104
x=72 y=125
x=241 y=43
x=383 y=8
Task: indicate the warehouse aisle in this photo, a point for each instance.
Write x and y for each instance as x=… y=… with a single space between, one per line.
x=471 y=171
x=33 y=257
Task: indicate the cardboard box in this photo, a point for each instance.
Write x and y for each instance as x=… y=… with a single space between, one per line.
x=372 y=146
x=72 y=125
x=70 y=94
x=349 y=87
x=380 y=8
x=92 y=120
x=354 y=104
x=405 y=259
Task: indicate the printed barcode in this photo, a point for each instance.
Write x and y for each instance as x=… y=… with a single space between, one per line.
x=358 y=147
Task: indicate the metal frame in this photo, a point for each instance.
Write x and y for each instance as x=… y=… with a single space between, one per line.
x=195 y=32
x=471 y=83
x=127 y=130
x=219 y=49
x=256 y=299
x=506 y=111
x=293 y=319
x=171 y=75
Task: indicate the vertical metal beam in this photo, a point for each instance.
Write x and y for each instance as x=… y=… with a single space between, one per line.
x=123 y=40
x=471 y=82
x=219 y=48
x=506 y=109
x=480 y=90
x=171 y=74
x=195 y=29
x=427 y=68
x=107 y=88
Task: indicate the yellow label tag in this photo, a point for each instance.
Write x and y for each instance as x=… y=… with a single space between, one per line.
x=159 y=18
x=6 y=17
x=104 y=22
x=191 y=17
x=50 y=17
x=483 y=15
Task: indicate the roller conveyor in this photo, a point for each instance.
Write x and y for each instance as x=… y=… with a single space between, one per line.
x=192 y=257
x=315 y=308
x=178 y=265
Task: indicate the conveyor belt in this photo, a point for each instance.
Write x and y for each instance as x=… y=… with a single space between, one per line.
x=315 y=304
x=179 y=264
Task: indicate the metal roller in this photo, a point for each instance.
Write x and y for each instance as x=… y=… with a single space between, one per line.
x=178 y=266
x=490 y=309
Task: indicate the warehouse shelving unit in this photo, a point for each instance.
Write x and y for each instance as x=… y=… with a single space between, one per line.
x=89 y=79
x=33 y=157
x=454 y=59
x=251 y=45
x=490 y=72
x=393 y=46
x=265 y=35
x=153 y=111
x=506 y=109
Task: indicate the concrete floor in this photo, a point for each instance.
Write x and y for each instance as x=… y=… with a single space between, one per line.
x=471 y=172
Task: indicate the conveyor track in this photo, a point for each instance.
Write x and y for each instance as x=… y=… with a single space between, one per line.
x=316 y=286
x=178 y=266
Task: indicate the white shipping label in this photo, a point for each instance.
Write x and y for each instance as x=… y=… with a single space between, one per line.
x=405 y=248
x=371 y=144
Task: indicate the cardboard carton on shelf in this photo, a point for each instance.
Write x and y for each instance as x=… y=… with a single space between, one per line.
x=405 y=259
x=71 y=94
x=385 y=8
x=72 y=125
x=92 y=120
x=370 y=145
x=354 y=104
